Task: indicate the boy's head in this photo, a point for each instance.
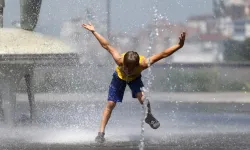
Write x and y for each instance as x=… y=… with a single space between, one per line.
x=130 y=61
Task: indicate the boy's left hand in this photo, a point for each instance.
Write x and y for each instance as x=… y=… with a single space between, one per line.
x=182 y=39
x=89 y=27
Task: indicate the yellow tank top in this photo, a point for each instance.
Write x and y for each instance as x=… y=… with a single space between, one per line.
x=134 y=75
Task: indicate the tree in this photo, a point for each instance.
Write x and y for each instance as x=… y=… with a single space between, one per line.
x=246 y=49
x=219 y=8
x=237 y=51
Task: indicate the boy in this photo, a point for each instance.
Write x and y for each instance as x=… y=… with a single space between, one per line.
x=128 y=71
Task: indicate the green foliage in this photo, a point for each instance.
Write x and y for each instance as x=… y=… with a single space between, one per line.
x=174 y=80
x=197 y=81
x=237 y=51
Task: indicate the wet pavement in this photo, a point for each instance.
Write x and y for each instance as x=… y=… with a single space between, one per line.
x=72 y=122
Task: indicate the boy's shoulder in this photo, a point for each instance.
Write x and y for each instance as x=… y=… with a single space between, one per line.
x=143 y=61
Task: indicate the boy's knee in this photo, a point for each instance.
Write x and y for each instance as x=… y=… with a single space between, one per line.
x=110 y=105
x=140 y=97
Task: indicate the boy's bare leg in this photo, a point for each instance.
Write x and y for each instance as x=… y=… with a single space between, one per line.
x=140 y=96
x=106 y=115
x=150 y=119
x=105 y=118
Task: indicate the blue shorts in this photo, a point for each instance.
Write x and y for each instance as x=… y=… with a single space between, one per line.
x=117 y=88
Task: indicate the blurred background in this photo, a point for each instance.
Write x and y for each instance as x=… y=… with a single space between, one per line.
x=201 y=90
x=215 y=57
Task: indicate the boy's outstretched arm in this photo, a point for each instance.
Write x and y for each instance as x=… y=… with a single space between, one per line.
x=167 y=52
x=105 y=44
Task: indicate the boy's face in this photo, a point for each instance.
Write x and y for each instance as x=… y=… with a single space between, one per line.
x=129 y=68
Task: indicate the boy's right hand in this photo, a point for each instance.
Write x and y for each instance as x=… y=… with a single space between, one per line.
x=182 y=39
x=89 y=27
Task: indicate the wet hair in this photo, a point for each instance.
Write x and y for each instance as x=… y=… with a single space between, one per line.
x=131 y=58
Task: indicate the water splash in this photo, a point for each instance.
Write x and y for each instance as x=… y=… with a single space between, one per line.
x=144 y=115
x=149 y=77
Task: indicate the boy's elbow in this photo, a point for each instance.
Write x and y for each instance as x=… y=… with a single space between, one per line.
x=105 y=46
x=164 y=55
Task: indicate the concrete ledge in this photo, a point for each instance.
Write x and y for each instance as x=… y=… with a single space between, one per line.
x=224 y=97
